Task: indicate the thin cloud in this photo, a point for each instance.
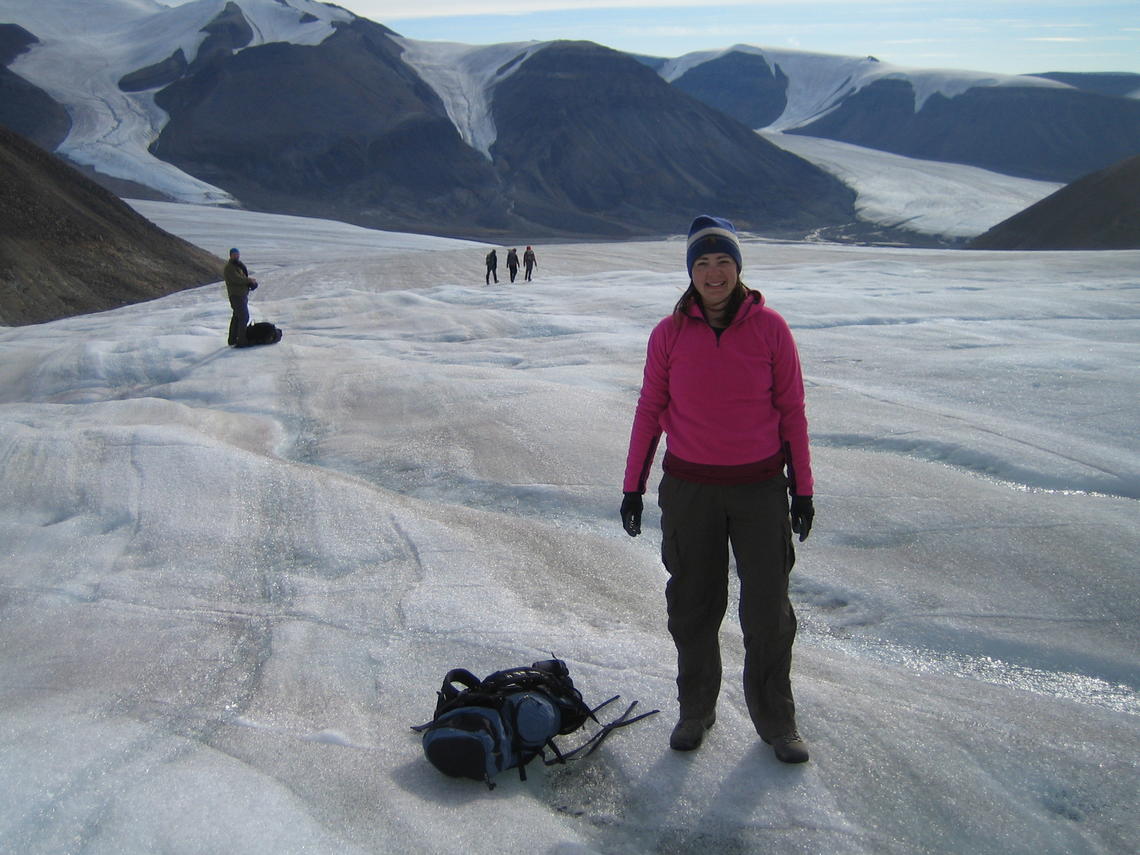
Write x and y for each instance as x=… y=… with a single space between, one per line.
x=699 y=31
x=1045 y=25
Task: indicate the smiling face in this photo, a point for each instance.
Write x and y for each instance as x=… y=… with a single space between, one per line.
x=715 y=276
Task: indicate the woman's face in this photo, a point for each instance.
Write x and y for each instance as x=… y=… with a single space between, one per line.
x=715 y=276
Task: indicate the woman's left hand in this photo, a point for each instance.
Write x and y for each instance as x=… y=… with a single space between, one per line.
x=631 y=507
x=803 y=512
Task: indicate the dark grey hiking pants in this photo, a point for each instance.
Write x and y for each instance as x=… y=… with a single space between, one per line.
x=240 y=319
x=698 y=523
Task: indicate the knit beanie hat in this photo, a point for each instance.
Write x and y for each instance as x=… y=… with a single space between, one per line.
x=712 y=234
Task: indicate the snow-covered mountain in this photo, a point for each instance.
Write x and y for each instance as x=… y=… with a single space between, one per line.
x=302 y=107
x=324 y=116
x=231 y=580
x=806 y=86
x=80 y=60
x=1024 y=125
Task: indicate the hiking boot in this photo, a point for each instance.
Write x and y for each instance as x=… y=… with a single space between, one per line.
x=789 y=747
x=689 y=733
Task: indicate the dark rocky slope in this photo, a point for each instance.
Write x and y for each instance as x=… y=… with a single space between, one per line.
x=1098 y=211
x=69 y=247
x=586 y=129
x=743 y=85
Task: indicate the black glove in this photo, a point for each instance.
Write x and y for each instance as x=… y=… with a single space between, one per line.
x=803 y=512
x=631 y=507
x=252 y=286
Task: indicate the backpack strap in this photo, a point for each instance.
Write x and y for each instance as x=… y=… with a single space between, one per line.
x=591 y=744
x=449 y=697
x=461 y=676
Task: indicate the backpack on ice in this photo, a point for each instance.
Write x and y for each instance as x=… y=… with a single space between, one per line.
x=262 y=332
x=507 y=719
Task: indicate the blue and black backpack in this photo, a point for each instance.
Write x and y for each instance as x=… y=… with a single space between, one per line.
x=484 y=727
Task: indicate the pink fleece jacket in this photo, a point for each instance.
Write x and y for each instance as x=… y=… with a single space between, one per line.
x=726 y=402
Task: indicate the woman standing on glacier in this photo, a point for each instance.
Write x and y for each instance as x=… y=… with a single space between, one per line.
x=722 y=381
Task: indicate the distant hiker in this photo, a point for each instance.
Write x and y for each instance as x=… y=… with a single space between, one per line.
x=722 y=380
x=238 y=285
x=513 y=263
x=492 y=267
x=528 y=262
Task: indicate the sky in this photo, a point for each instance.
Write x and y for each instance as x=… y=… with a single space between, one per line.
x=1022 y=36
x=231 y=580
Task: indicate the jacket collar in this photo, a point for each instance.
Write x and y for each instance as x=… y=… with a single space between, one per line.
x=753 y=302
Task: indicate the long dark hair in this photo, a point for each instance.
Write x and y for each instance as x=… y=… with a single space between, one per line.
x=735 y=299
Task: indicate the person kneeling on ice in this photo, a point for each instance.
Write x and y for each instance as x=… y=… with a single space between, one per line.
x=238 y=285
x=722 y=380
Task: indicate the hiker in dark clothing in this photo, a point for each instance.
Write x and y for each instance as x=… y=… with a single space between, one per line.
x=723 y=382
x=528 y=262
x=238 y=285
x=492 y=267
x=513 y=263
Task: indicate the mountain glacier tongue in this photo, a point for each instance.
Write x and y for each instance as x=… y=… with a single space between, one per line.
x=463 y=76
x=80 y=61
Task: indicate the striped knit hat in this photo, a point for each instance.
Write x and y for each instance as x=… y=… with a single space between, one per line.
x=712 y=234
